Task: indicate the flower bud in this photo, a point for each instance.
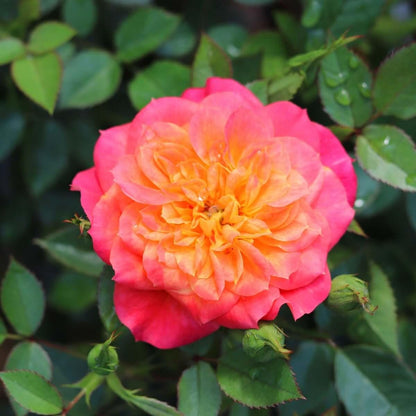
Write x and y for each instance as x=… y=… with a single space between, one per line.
x=103 y=359
x=348 y=293
x=265 y=343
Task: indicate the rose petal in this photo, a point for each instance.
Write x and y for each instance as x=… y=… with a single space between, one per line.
x=157 y=318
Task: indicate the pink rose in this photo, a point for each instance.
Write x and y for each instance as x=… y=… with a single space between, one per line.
x=215 y=210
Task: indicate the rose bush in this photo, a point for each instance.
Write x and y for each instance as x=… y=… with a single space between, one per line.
x=215 y=210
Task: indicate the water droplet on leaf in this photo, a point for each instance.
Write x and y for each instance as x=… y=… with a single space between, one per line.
x=312 y=13
x=343 y=97
x=353 y=62
x=364 y=89
x=386 y=141
x=333 y=80
x=359 y=203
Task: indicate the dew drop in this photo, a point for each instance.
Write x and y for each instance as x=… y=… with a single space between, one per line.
x=359 y=203
x=343 y=97
x=312 y=13
x=353 y=62
x=364 y=89
x=333 y=80
x=386 y=141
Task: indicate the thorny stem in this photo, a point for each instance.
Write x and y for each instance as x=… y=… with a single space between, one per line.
x=73 y=402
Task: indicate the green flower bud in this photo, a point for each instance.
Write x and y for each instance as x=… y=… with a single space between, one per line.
x=265 y=343
x=103 y=359
x=348 y=293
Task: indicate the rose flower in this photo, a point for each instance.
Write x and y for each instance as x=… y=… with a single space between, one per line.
x=215 y=210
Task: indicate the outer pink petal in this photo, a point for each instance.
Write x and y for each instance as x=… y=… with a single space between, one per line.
x=194 y=94
x=111 y=145
x=155 y=317
x=249 y=310
x=334 y=156
x=105 y=223
x=328 y=196
x=86 y=182
x=215 y=84
x=293 y=121
x=306 y=299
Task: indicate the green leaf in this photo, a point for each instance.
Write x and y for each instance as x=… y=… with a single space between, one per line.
x=3 y=331
x=254 y=384
x=81 y=15
x=180 y=43
x=407 y=342
x=379 y=328
x=198 y=391
x=32 y=391
x=72 y=292
x=11 y=49
x=230 y=37
x=356 y=17
x=72 y=250
x=47 y=6
x=12 y=124
x=310 y=359
x=105 y=300
x=22 y=299
x=395 y=84
x=284 y=88
x=143 y=31
x=355 y=228
x=39 y=77
x=161 y=79
x=29 y=10
x=45 y=156
x=345 y=88
x=151 y=406
x=291 y=30
x=90 y=78
x=210 y=60
x=28 y=355
x=373 y=382
x=388 y=155
x=48 y=36
x=271 y=46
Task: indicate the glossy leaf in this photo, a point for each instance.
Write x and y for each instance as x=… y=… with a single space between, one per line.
x=32 y=391
x=198 y=391
x=143 y=31
x=39 y=77
x=180 y=43
x=161 y=79
x=210 y=60
x=72 y=250
x=395 y=84
x=91 y=77
x=72 y=292
x=81 y=15
x=22 y=299
x=149 y=405
x=105 y=300
x=309 y=360
x=371 y=381
x=253 y=384
x=45 y=156
x=230 y=37
x=30 y=356
x=48 y=36
x=12 y=124
x=286 y=87
x=10 y=49
x=388 y=155
x=345 y=88
x=380 y=327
